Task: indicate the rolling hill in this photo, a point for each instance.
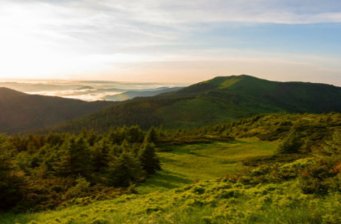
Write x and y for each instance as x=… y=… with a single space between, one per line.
x=141 y=93
x=217 y=100
x=21 y=112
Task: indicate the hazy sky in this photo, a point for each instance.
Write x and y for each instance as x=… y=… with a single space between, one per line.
x=170 y=40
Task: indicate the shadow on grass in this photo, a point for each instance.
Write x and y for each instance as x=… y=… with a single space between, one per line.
x=194 y=152
x=238 y=141
x=10 y=218
x=167 y=180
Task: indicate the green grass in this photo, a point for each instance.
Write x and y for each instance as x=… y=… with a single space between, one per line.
x=190 y=190
x=185 y=164
x=200 y=203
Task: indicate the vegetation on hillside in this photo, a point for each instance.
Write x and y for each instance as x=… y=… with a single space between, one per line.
x=291 y=174
x=44 y=171
x=218 y=100
x=21 y=112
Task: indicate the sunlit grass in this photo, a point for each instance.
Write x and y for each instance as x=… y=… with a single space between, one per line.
x=187 y=191
x=188 y=163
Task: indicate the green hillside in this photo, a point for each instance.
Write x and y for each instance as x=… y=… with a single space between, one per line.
x=218 y=100
x=280 y=168
x=141 y=93
x=21 y=112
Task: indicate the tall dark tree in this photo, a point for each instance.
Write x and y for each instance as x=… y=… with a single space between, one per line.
x=125 y=170
x=148 y=158
x=151 y=136
x=134 y=134
x=100 y=155
x=10 y=192
x=74 y=158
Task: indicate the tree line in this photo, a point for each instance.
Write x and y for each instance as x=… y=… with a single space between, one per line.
x=44 y=171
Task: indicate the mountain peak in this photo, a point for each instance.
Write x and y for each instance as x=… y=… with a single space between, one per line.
x=226 y=81
x=242 y=76
x=221 y=83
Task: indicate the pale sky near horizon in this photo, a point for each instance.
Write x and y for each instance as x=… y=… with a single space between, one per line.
x=170 y=40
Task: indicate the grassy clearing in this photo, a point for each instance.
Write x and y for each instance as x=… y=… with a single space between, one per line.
x=190 y=190
x=182 y=165
x=186 y=164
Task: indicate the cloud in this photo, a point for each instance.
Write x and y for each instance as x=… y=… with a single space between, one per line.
x=117 y=25
x=168 y=12
x=84 y=36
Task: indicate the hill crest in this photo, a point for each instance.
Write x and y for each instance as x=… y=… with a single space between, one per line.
x=220 y=99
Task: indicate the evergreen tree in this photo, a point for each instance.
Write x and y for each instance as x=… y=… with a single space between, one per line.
x=148 y=158
x=125 y=170
x=74 y=158
x=151 y=136
x=100 y=155
x=134 y=134
x=9 y=183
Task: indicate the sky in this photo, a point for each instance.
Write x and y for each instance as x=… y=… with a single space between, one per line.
x=171 y=41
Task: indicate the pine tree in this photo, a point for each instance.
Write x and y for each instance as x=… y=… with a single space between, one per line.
x=74 y=158
x=134 y=134
x=100 y=155
x=9 y=183
x=148 y=158
x=151 y=136
x=125 y=170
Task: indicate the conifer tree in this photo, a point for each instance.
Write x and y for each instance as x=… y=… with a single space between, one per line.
x=9 y=183
x=74 y=158
x=100 y=155
x=148 y=158
x=151 y=136
x=125 y=170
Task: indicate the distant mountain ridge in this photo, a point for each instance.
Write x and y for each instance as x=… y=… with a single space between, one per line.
x=20 y=112
x=88 y=90
x=220 y=99
x=127 y=95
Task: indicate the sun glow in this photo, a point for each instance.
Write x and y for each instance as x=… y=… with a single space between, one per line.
x=23 y=50
x=154 y=42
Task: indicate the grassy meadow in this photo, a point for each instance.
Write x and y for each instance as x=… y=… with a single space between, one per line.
x=281 y=169
x=186 y=164
x=183 y=166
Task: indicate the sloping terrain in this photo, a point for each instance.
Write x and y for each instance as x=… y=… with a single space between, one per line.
x=141 y=93
x=218 y=100
x=21 y=112
x=243 y=181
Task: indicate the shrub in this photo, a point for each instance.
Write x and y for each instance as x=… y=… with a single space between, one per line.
x=79 y=190
x=291 y=144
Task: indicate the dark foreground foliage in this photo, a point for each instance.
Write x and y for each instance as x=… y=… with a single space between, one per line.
x=43 y=171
